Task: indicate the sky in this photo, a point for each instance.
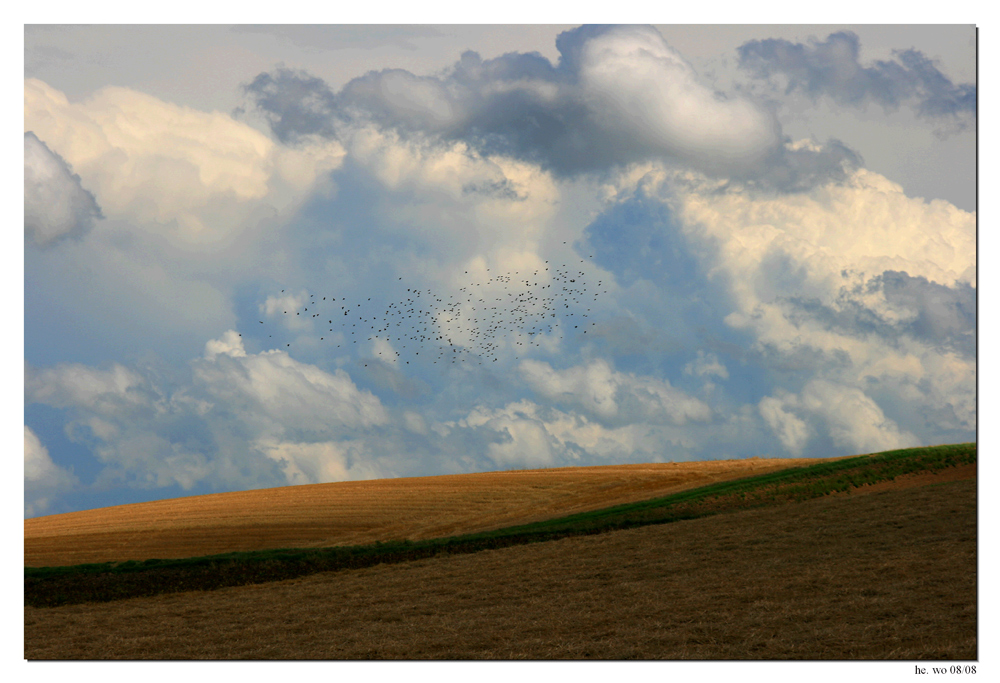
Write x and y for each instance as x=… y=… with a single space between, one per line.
x=260 y=256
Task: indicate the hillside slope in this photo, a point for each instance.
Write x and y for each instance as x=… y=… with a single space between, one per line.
x=359 y=512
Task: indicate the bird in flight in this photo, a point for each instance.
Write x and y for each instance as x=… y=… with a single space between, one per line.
x=489 y=314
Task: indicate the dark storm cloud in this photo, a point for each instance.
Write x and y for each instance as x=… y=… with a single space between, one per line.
x=56 y=206
x=617 y=95
x=831 y=68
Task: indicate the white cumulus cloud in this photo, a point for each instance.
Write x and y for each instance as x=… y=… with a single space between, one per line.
x=880 y=284
x=230 y=344
x=527 y=435
x=75 y=384
x=154 y=162
x=706 y=365
x=321 y=462
x=273 y=388
x=649 y=90
x=790 y=430
x=606 y=393
x=854 y=420
x=240 y=419
x=851 y=419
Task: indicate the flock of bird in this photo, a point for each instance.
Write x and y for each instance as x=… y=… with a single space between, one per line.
x=515 y=309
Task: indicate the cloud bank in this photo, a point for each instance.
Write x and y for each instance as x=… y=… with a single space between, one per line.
x=618 y=95
x=746 y=294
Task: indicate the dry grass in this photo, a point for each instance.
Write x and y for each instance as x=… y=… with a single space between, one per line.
x=358 y=512
x=890 y=575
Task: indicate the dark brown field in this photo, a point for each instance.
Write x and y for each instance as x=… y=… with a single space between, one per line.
x=890 y=575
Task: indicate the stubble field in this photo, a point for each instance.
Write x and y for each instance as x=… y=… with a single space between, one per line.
x=887 y=575
x=359 y=512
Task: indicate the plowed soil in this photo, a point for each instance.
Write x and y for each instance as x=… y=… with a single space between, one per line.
x=358 y=512
x=886 y=576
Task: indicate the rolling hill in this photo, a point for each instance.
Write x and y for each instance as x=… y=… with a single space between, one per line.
x=359 y=512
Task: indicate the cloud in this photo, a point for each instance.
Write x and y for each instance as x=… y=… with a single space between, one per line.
x=422 y=212
x=849 y=418
x=610 y=395
x=279 y=394
x=894 y=304
x=527 y=434
x=196 y=207
x=591 y=387
x=521 y=438
x=240 y=420
x=145 y=459
x=937 y=313
x=122 y=287
x=230 y=344
x=757 y=294
x=157 y=163
x=444 y=207
x=287 y=308
x=121 y=414
x=857 y=281
x=295 y=103
x=321 y=462
x=55 y=204
x=43 y=479
x=866 y=225
x=517 y=435
x=851 y=283
x=706 y=365
x=624 y=336
x=637 y=237
x=855 y=422
x=73 y=384
x=831 y=68
x=790 y=430
x=618 y=95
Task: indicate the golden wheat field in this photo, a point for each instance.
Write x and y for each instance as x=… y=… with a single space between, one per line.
x=356 y=512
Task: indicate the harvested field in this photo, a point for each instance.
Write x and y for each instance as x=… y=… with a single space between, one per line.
x=358 y=512
x=885 y=576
